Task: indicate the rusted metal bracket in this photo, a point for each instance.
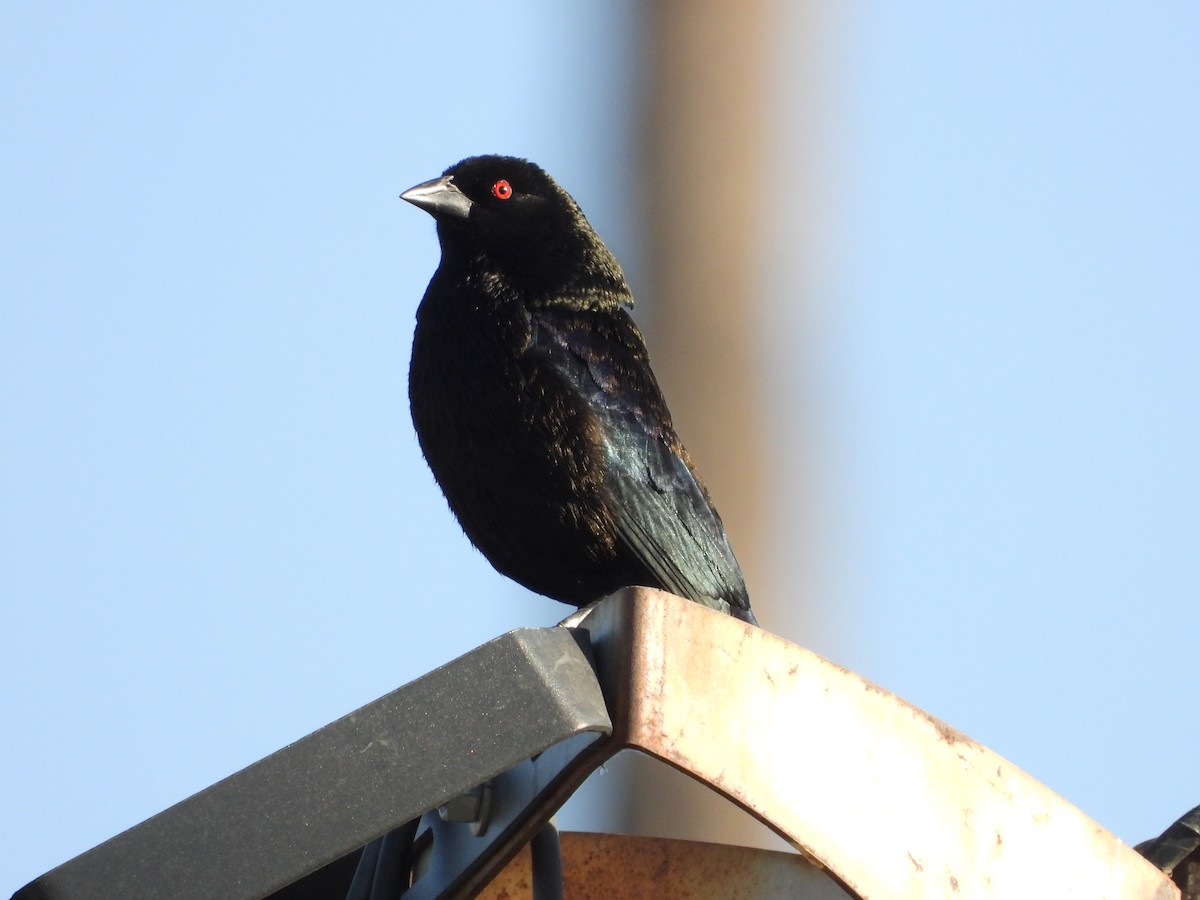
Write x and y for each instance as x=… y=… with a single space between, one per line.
x=635 y=867
x=888 y=800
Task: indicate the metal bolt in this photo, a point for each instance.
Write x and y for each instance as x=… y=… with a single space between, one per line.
x=471 y=807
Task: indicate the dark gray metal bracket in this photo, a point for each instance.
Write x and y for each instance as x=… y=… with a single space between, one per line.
x=457 y=863
x=330 y=793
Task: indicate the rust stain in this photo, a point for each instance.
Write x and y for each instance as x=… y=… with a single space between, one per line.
x=869 y=686
x=662 y=663
x=625 y=867
x=948 y=733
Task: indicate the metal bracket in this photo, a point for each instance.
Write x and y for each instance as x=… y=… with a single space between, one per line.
x=330 y=793
x=890 y=801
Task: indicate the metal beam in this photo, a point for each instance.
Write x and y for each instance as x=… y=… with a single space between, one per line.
x=890 y=801
x=350 y=782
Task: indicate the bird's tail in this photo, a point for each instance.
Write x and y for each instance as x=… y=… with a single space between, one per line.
x=745 y=615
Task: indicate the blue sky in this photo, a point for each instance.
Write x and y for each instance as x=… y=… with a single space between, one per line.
x=218 y=533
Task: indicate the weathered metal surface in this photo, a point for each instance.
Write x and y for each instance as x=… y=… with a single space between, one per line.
x=890 y=800
x=457 y=862
x=326 y=795
x=628 y=867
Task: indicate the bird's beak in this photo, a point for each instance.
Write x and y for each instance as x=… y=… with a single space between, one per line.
x=440 y=198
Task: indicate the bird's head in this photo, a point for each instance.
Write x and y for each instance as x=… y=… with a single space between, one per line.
x=508 y=216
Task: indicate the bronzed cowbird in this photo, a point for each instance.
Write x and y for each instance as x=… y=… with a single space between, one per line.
x=536 y=408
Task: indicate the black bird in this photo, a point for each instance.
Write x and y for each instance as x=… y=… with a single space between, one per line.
x=535 y=406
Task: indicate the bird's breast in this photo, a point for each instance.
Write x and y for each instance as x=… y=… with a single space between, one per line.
x=515 y=452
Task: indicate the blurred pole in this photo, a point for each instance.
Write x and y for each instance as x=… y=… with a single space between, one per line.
x=707 y=182
x=709 y=197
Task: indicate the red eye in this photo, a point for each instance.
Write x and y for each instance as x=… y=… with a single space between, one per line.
x=502 y=190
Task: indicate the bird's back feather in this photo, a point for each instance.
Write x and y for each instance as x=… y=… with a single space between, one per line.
x=662 y=511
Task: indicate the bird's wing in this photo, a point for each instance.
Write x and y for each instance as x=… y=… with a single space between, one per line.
x=662 y=511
